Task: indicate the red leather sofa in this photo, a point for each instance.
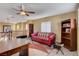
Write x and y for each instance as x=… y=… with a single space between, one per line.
x=44 y=37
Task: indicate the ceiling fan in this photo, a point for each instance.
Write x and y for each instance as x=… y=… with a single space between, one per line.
x=23 y=11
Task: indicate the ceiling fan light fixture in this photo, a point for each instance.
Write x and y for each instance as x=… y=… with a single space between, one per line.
x=22 y=13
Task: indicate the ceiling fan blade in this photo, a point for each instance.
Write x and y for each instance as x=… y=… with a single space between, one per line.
x=27 y=14
x=17 y=13
x=23 y=15
x=31 y=12
x=22 y=8
x=16 y=9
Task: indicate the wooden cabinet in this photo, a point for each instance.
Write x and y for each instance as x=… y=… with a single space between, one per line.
x=69 y=34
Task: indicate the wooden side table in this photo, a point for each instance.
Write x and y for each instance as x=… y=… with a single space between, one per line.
x=59 y=46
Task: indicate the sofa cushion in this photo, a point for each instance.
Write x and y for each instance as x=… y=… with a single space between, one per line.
x=39 y=34
x=42 y=34
x=44 y=38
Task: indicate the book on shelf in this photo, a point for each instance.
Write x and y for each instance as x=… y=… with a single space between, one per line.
x=67 y=30
x=66 y=25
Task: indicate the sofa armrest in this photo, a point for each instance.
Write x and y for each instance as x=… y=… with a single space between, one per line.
x=52 y=36
x=34 y=34
x=51 y=39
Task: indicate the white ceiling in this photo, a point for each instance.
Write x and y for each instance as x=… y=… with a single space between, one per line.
x=41 y=10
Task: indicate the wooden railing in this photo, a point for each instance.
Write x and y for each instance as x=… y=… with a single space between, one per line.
x=5 y=34
x=12 y=34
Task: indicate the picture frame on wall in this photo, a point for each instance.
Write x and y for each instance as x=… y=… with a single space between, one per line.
x=6 y=28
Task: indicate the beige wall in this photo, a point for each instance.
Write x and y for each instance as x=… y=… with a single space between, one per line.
x=20 y=26
x=1 y=26
x=17 y=27
x=13 y=26
x=55 y=20
x=56 y=23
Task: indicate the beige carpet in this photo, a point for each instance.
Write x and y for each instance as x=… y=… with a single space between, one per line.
x=51 y=51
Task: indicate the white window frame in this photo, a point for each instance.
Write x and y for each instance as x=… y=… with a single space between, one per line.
x=46 y=26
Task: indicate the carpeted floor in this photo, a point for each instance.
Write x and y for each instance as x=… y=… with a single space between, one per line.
x=51 y=51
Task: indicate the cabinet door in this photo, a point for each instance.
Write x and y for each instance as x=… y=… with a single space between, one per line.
x=67 y=43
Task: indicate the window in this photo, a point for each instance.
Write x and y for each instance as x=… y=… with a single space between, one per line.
x=46 y=27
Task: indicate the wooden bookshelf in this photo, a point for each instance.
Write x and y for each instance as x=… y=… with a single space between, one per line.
x=65 y=27
x=66 y=32
x=69 y=34
x=66 y=38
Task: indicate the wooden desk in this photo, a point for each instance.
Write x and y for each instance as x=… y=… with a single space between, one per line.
x=9 y=47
